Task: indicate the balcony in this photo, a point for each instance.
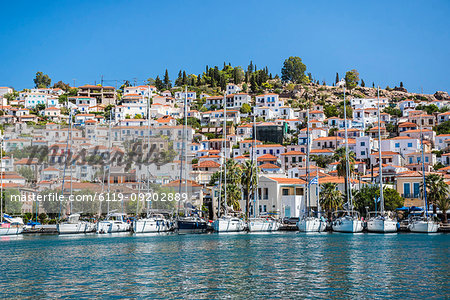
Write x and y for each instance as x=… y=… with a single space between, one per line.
x=412 y=195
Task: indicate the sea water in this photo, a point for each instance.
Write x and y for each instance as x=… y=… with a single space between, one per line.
x=277 y=265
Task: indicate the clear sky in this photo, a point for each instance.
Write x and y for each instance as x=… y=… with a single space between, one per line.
x=386 y=41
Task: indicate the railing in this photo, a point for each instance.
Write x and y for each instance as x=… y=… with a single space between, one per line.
x=411 y=195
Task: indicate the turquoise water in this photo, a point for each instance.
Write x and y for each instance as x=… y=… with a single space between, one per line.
x=281 y=265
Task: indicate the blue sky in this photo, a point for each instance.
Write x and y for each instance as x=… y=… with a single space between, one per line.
x=386 y=41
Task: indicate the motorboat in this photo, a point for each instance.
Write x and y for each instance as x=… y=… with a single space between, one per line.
x=12 y=226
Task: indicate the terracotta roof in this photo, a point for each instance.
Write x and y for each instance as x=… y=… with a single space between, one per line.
x=268 y=166
x=283 y=180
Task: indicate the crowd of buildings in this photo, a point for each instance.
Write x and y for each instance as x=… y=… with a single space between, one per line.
x=145 y=114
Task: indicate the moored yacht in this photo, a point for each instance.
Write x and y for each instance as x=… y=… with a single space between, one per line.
x=115 y=222
x=152 y=223
x=12 y=226
x=380 y=221
x=73 y=225
x=348 y=222
x=311 y=224
x=228 y=224
x=423 y=225
x=263 y=224
x=192 y=224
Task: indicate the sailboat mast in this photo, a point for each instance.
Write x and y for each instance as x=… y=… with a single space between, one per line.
x=109 y=162
x=318 y=191
x=308 y=204
x=255 y=194
x=225 y=151
x=65 y=167
x=423 y=170
x=380 y=166
x=1 y=177
x=148 y=204
x=71 y=165
x=347 y=167
x=185 y=147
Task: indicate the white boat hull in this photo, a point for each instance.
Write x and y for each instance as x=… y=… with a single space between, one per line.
x=151 y=225
x=112 y=226
x=77 y=228
x=263 y=225
x=311 y=225
x=423 y=226
x=228 y=225
x=382 y=226
x=347 y=225
x=11 y=230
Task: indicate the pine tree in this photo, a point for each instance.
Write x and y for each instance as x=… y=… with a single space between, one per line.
x=337 y=77
x=401 y=84
x=167 y=82
x=199 y=80
x=373 y=84
x=363 y=84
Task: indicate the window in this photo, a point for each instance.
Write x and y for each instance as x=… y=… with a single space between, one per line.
x=362 y=144
x=363 y=153
x=409 y=144
x=406 y=189
x=285 y=192
x=426 y=158
x=397 y=145
x=416 y=189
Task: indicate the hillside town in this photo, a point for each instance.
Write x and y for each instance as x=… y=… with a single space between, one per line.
x=232 y=124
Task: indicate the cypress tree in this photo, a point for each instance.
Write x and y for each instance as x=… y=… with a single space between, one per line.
x=184 y=81
x=337 y=77
x=167 y=80
x=363 y=84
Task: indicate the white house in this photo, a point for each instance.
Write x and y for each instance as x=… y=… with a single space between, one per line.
x=232 y=89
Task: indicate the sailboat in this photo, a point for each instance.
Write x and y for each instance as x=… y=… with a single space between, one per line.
x=425 y=223
x=348 y=220
x=226 y=223
x=309 y=223
x=114 y=222
x=72 y=225
x=259 y=223
x=152 y=222
x=380 y=221
x=192 y=223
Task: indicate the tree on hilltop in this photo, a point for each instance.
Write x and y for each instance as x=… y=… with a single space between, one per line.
x=351 y=79
x=293 y=70
x=42 y=80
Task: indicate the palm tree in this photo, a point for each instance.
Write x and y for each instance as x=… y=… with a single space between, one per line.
x=248 y=182
x=437 y=189
x=340 y=157
x=444 y=205
x=330 y=197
